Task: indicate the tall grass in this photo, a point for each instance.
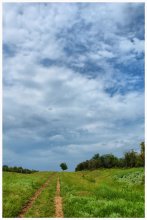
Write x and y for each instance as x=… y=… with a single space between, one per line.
x=105 y=195
x=17 y=190
x=100 y=193
x=44 y=204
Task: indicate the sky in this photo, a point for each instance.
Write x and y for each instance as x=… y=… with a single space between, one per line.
x=73 y=82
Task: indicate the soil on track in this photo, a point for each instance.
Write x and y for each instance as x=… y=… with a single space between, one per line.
x=58 y=202
x=29 y=204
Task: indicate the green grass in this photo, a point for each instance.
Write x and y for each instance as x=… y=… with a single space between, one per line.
x=44 y=204
x=100 y=193
x=18 y=188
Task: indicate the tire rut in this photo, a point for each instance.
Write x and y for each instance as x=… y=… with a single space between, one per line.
x=29 y=204
x=58 y=202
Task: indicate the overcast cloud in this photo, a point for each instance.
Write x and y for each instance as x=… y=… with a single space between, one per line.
x=73 y=82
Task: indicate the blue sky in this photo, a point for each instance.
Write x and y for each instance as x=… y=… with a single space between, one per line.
x=73 y=82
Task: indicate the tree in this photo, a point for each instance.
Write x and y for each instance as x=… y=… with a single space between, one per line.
x=96 y=157
x=130 y=158
x=63 y=166
x=79 y=167
x=121 y=162
x=142 y=154
x=5 y=168
x=109 y=160
x=91 y=164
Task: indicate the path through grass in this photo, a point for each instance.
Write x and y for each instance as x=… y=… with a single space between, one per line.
x=44 y=204
x=102 y=193
x=17 y=190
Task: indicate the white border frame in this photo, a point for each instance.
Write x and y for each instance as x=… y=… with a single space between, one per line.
x=1 y=92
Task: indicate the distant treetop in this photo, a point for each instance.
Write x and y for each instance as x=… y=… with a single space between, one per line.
x=63 y=166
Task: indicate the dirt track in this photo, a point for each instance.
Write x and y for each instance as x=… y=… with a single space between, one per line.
x=29 y=204
x=58 y=202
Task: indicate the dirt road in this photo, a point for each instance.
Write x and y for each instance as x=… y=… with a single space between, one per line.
x=58 y=202
x=29 y=204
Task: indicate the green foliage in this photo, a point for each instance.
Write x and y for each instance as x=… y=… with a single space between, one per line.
x=131 y=178
x=18 y=169
x=96 y=157
x=109 y=160
x=63 y=166
x=130 y=159
x=142 y=152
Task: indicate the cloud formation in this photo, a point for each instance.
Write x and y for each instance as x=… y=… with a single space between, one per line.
x=73 y=81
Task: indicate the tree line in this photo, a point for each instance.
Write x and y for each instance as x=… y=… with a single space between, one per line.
x=18 y=169
x=130 y=159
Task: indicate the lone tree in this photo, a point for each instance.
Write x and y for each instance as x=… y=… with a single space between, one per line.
x=63 y=166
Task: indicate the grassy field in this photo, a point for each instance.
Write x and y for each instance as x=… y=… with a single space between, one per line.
x=44 y=204
x=18 y=188
x=103 y=193
x=99 y=193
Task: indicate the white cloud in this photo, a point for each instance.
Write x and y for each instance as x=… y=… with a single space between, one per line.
x=56 y=108
x=57 y=137
x=127 y=46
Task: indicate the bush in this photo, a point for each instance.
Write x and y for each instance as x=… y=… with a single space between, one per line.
x=17 y=169
x=130 y=159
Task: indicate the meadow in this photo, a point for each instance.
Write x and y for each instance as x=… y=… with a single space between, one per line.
x=103 y=193
x=100 y=193
x=18 y=188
